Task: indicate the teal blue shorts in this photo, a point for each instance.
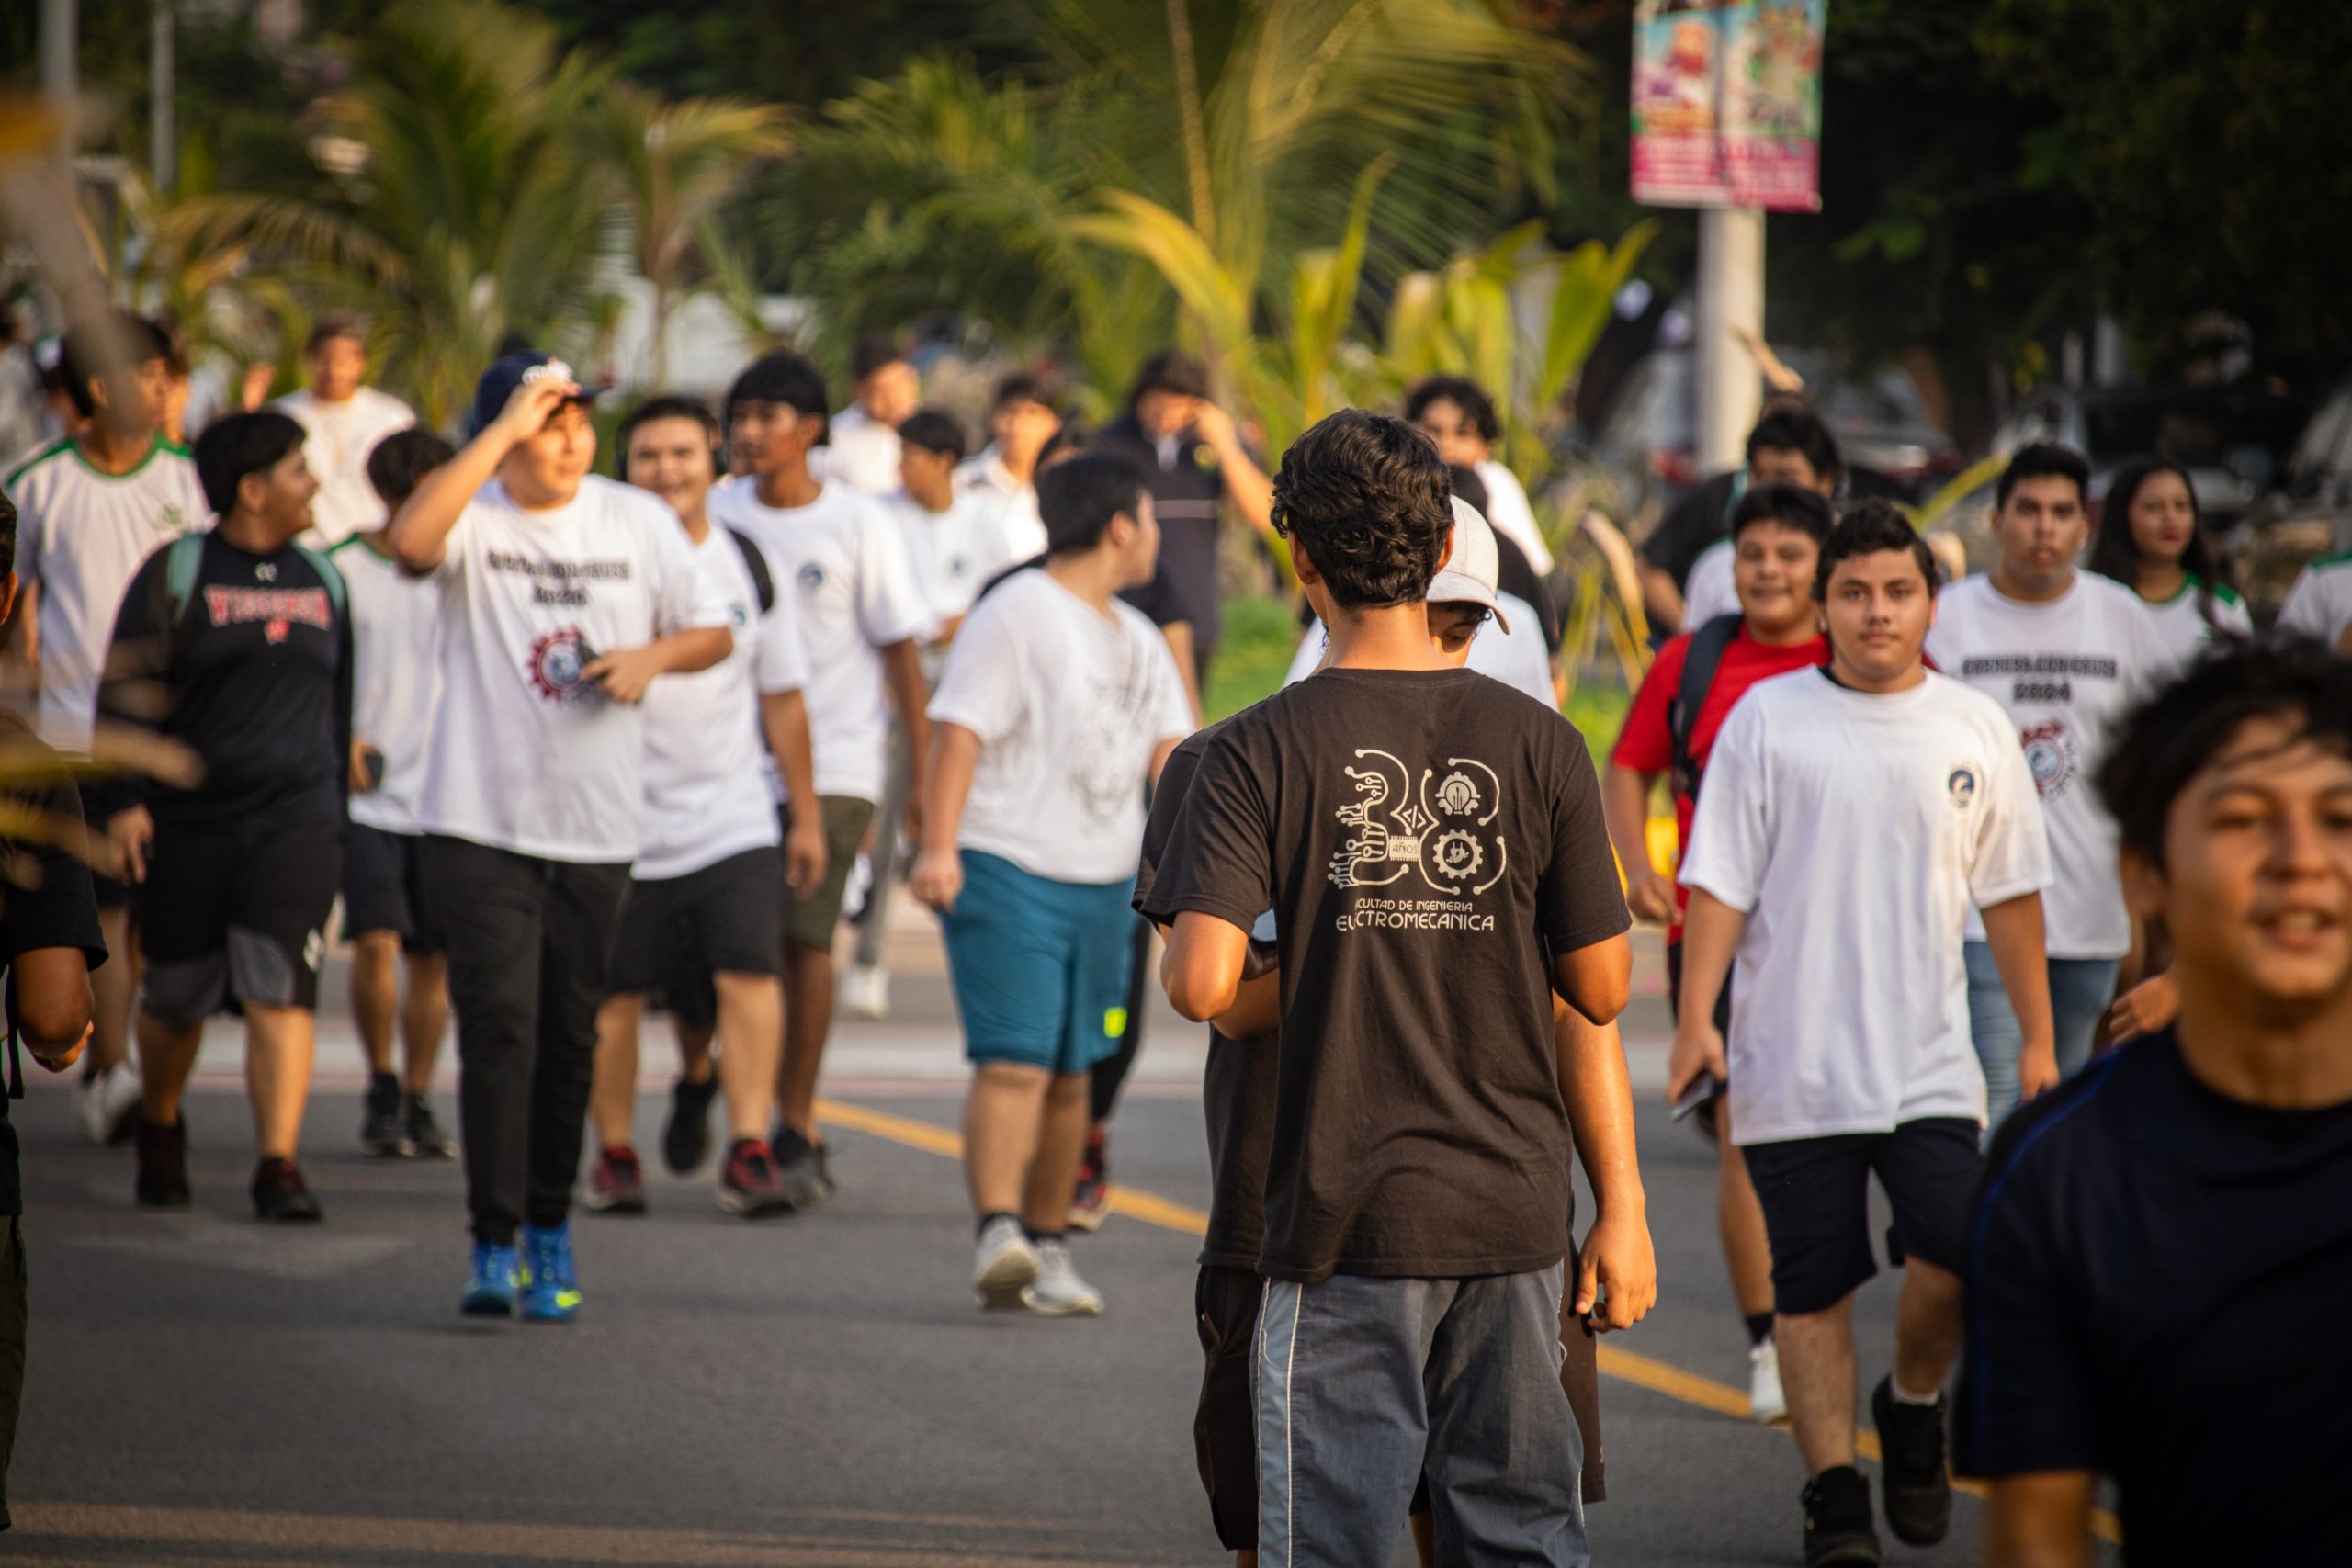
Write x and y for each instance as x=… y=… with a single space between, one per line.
x=1039 y=967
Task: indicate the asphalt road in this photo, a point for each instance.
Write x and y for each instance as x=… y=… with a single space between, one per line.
x=814 y=1391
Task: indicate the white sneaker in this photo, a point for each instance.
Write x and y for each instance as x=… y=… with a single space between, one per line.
x=1059 y=1291
x=865 y=990
x=1765 y=1402
x=1006 y=1265
x=103 y=1103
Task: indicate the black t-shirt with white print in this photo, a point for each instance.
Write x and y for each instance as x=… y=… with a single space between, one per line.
x=1429 y=840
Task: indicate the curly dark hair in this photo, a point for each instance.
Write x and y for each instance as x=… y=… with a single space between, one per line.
x=1367 y=500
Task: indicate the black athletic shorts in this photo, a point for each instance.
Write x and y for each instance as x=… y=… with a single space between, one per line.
x=679 y=932
x=1225 y=1426
x=382 y=892
x=1816 y=1193
x=235 y=914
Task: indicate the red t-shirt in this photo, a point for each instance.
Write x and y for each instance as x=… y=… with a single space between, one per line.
x=1647 y=746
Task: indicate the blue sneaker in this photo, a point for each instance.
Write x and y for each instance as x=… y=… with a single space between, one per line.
x=496 y=1283
x=550 y=1289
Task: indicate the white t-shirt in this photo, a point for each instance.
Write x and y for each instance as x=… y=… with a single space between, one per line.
x=2182 y=625
x=2320 y=605
x=1069 y=703
x=952 y=553
x=1517 y=658
x=1025 y=531
x=82 y=535
x=860 y=451
x=396 y=678
x=840 y=561
x=526 y=756
x=707 y=782
x=342 y=435
x=2065 y=671
x=1709 y=590
x=1855 y=830
x=1508 y=510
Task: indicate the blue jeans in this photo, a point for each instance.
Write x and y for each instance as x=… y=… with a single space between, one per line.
x=2080 y=991
x=1366 y=1385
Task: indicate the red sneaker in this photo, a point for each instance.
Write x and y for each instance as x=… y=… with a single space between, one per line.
x=617 y=1184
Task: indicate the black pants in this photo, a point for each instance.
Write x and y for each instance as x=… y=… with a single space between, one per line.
x=12 y=1346
x=1110 y=1073
x=529 y=941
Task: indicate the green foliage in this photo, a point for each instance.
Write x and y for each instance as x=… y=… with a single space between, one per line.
x=1253 y=656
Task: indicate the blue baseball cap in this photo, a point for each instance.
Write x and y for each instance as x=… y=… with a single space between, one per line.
x=498 y=384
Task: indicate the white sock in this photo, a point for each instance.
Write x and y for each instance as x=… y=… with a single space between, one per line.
x=1905 y=1396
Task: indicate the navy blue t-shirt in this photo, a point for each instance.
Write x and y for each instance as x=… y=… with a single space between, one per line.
x=2159 y=1284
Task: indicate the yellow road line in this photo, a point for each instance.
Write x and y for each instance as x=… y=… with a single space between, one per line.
x=1626 y=1366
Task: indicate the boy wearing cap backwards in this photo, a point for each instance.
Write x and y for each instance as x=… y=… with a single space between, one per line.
x=563 y=596
x=1432 y=846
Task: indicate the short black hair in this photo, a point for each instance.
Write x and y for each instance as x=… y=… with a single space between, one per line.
x=2166 y=740
x=1791 y=505
x=1868 y=528
x=241 y=444
x=2041 y=460
x=401 y=461
x=1077 y=500
x=1795 y=427
x=1367 y=500
x=330 y=326
x=7 y=535
x=670 y=405
x=872 y=351
x=1022 y=387
x=934 y=431
x=1462 y=393
x=1468 y=487
x=1169 y=370
x=783 y=377
x=106 y=346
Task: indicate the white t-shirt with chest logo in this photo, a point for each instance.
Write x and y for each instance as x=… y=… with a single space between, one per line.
x=83 y=534
x=1856 y=829
x=840 y=560
x=526 y=755
x=708 y=795
x=396 y=678
x=340 y=437
x=952 y=553
x=2065 y=670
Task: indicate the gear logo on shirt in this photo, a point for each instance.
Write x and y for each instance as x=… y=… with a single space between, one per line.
x=1443 y=831
x=556 y=666
x=2050 y=757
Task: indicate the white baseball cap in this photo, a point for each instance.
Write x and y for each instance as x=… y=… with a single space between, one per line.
x=1473 y=573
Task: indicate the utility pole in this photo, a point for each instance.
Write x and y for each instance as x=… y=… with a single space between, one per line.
x=1728 y=385
x=162 y=146
x=61 y=49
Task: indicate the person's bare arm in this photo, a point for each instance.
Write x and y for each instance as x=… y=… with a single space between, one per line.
x=627 y=675
x=1257 y=1008
x=1711 y=933
x=1617 y=1265
x=1596 y=979
x=1245 y=484
x=2147 y=1007
x=2040 y=1520
x=783 y=718
x=910 y=694
x=24 y=631
x=1202 y=972
x=1178 y=635
x=938 y=877
x=52 y=987
x=1660 y=597
x=2013 y=930
x=1625 y=805
x=420 y=529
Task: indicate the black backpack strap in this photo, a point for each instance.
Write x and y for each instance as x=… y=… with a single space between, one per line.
x=15 y=1063
x=763 y=580
x=1700 y=662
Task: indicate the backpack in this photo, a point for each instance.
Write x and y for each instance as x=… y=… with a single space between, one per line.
x=756 y=560
x=1699 y=661
x=184 y=557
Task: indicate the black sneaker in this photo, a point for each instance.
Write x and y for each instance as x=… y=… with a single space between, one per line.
x=685 y=1134
x=617 y=1184
x=748 y=1186
x=1912 y=1479
x=163 y=1164
x=381 y=1134
x=280 y=1194
x=800 y=1168
x=1837 y=1528
x=425 y=1138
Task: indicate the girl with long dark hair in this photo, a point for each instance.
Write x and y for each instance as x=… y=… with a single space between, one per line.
x=2152 y=540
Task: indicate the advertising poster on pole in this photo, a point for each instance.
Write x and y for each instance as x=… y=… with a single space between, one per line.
x=1726 y=103
x=1678 y=154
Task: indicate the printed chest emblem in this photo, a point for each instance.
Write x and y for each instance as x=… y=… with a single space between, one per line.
x=557 y=662
x=2050 y=757
x=1444 y=829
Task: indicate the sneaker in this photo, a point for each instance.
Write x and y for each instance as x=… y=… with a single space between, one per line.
x=1837 y=1528
x=617 y=1184
x=425 y=1138
x=1090 y=1204
x=550 y=1287
x=1913 y=1481
x=1765 y=1402
x=381 y=1134
x=685 y=1135
x=800 y=1168
x=1005 y=1264
x=494 y=1287
x=1059 y=1291
x=105 y=1103
x=280 y=1194
x=163 y=1164
x=748 y=1186
x=866 y=992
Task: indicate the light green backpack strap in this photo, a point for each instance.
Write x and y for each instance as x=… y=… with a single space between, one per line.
x=328 y=573
x=182 y=558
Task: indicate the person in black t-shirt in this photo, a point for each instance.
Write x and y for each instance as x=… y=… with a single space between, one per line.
x=237 y=644
x=1791 y=445
x=1431 y=844
x=2163 y=1250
